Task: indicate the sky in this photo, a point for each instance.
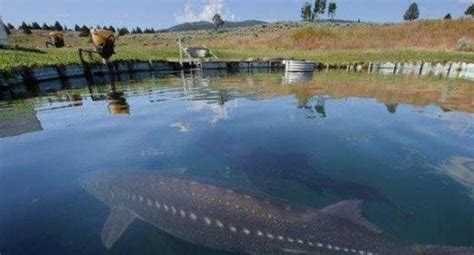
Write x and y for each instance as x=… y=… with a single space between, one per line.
x=165 y=13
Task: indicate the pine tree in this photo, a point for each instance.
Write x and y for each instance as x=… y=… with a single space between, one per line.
x=35 y=26
x=7 y=30
x=307 y=12
x=332 y=10
x=26 y=28
x=123 y=31
x=111 y=28
x=58 y=26
x=448 y=16
x=77 y=28
x=10 y=26
x=470 y=10
x=45 y=27
x=138 y=30
x=85 y=31
x=412 y=13
x=24 y=25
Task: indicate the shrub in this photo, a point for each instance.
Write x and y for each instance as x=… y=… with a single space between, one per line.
x=465 y=44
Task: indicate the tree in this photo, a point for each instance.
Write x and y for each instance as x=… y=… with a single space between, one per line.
x=217 y=20
x=24 y=25
x=448 y=16
x=7 y=30
x=10 y=26
x=111 y=28
x=84 y=31
x=470 y=10
x=58 y=26
x=123 y=31
x=77 y=28
x=45 y=27
x=26 y=28
x=138 y=30
x=307 y=13
x=332 y=10
x=319 y=7
x=412 y=13
x=35 y=26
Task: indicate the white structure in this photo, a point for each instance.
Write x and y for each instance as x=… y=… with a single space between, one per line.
x=299 y=66
x=4 y=42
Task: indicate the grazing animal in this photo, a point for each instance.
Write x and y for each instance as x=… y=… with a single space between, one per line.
x=224 y=219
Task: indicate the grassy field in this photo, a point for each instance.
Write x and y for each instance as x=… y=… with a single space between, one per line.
x=334 y=44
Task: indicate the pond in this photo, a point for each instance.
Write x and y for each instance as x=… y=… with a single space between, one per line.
x=401 y=144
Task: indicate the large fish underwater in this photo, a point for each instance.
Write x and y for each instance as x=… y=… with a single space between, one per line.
x=231 y=220
x=259 y=165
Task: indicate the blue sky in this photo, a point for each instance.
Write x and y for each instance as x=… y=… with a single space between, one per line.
x=165 y=13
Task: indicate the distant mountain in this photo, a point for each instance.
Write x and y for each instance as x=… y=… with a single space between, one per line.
x=204 y=25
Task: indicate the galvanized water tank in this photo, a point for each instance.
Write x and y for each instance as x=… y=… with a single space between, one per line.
x=299 y=66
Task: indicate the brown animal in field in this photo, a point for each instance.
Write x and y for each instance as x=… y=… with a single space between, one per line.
x=56 y=40
x=103 y=42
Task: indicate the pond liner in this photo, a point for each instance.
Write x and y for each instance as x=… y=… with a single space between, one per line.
x=30 y=77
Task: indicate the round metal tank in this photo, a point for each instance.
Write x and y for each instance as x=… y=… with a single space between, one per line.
x=299 y=66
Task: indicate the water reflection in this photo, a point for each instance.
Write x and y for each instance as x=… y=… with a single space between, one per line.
x=315 y=106
x=297 y=77
x=461 y=169
x=393 y=142
x=391 y=108
x=18 y=119
x=117 y=103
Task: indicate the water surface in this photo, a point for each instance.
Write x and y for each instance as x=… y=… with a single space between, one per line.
x=403 y=143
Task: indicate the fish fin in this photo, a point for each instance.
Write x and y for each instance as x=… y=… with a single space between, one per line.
x=352 y=211
x=118 y=221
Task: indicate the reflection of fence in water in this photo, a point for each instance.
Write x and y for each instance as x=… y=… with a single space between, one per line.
x=449 y=70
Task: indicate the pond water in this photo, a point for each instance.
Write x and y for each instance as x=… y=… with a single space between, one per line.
x=404 y=145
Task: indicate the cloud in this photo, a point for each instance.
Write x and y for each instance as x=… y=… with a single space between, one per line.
x=191 y=11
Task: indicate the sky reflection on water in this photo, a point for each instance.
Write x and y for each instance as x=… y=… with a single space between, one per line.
x=396 y=142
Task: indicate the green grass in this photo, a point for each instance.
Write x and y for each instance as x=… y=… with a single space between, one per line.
x=12 y=58
x=348 y=56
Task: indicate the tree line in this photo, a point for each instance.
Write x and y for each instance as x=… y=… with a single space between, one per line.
x=310 y=12
x=83 y=30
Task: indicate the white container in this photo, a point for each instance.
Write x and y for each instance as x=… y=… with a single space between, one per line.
x=299 y=66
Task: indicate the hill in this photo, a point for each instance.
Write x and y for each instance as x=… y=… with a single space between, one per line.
x=205 y=25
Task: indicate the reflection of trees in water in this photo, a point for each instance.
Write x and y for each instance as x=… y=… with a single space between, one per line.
x=391 y=108
x=314 y=105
